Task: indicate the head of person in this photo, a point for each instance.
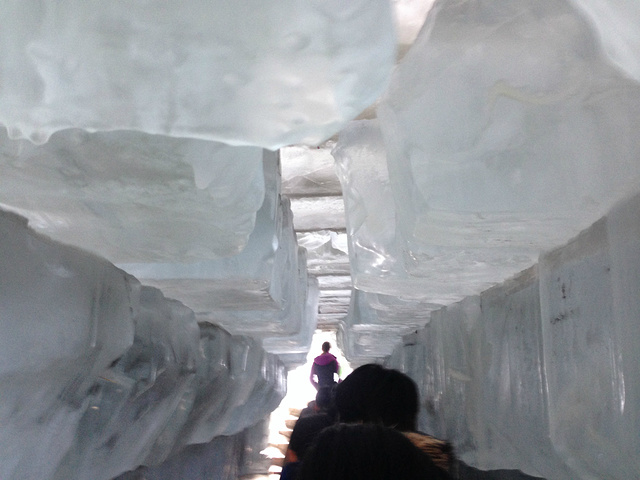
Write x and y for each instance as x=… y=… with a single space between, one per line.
x=375 y=394
x=305 y=432
x=326 y=346
x=366 y=452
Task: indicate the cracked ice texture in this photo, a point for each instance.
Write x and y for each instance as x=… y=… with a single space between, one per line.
x=130 y=196
x=506 y=132
x=259 y=73
x=99 y=374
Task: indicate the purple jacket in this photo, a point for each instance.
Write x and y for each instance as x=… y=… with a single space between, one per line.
x=324 y=366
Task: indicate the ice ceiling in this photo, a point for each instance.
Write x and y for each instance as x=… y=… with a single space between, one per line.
x=212 y=152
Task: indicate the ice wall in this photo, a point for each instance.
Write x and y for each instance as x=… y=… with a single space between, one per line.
x=616 y=23
x=224 y=458
x=256 y=73
x=66 y=316
x=262 y=291
x=541 y=372
x=135 y=197
x=310 y=182
x=505 y=131
x=495 y=198
x=100 y=374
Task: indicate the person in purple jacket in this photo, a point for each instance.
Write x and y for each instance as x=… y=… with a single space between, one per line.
x=324 y=367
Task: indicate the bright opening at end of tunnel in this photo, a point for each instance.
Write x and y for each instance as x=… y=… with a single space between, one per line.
x=299 y=393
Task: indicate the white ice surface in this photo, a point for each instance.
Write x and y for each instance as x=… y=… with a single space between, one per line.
x=498 y=138
x=509 y=127
x=134 y=197
x=256 y=73
x=616 y=24
x=99 y=374
x=66 y=316
x=540 y=373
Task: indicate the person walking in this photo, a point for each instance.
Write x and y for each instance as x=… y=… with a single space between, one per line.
x=324 y=367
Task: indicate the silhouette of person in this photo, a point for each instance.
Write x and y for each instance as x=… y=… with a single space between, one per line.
x=322 y=404
x=304 y=433
x=378 y=395
x=366 y=452
x=324 y=367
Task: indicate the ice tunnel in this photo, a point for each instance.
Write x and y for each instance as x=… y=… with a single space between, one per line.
x=188 y=191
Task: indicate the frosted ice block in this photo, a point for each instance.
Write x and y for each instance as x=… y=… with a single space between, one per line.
x=134 y=197
x=505 y=132
x=130 y=403
x=617 y=27
x=257 y=73
x=540 y=373
x=238 y=382
x=66 y=315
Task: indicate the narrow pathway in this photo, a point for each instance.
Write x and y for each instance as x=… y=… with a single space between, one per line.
x=283 y=420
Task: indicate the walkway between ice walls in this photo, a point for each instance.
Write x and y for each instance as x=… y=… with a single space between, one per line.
x=100 y=374
x=542 y=373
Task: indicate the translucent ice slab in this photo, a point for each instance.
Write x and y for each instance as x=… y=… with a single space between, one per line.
x=369 y=205
x=134 y=197
x=309 y=180
x=65 y=316
x=283 y=281
x=260 y=73
x=328 y=261
x=327 y=252
x=617 y=26
x=326 y=213
x=292 y=348
x=376 y=323
x=506 y=132
x=241 y=280
x=261 y=291
x=129 y=405
x=309 y=171
x=540 y=373
x=99 y=374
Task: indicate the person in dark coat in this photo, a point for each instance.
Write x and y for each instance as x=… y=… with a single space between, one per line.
x=304 y=433
x=324 y=368
x=366 y=452
x=373 y=394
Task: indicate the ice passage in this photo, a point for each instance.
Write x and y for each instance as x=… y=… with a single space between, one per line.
x=187 y=194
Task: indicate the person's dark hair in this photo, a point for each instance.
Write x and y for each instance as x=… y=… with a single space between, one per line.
x=366 y=452
x=305 y=432
x=374 y=394
x=326 y=346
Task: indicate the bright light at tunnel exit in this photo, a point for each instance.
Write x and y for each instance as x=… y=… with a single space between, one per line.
x=299 y=389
